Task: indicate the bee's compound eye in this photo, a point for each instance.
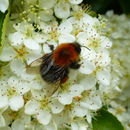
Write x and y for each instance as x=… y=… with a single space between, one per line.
x=78 y=48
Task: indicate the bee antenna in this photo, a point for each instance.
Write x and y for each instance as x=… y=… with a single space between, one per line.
x=86 y=47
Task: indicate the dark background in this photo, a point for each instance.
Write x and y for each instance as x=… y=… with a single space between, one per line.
x=101 y=6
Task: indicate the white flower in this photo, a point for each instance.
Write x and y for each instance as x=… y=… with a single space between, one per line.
x=4 y=5
x=47 y=4
x=62 y=10
x=12 y=92
x=67 y=97
x=39 y=107
x=7 y=53
x=75 y=1
x=26 y=35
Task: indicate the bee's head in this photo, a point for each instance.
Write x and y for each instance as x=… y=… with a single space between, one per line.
x=77 y=47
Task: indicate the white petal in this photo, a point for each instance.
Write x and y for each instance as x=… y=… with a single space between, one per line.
x=87 y=67
x=16 y=103
x=92 y=103
x=90 y=21
x=88 y=82
x=103 y=58
x=65 y=27
x=17 y=67
x=83 y=126
x=16 y=38
x=88 y=54
x=3 y=101
x=18 y=124
x=31 y=44
x=104 y=77
x=105 y=42
x=47 y=4
x=38 y=94
x=4 y=5
x=76 y=90
x=40 y=38
x=46 y=15
x=92 y=33
x=56 y=107
x=44 y=117
x=33 y=56
x=2 y=121
x=65 y=98
x=74 y=126
x=23 y=87
x=75 y=1
x=79 y=111
x=36 y=85
x=46 y=48
x=82 y=38
x=7 y=54
x=62 y=10
x=31 y=107
x=64 y=38
x=51 y=126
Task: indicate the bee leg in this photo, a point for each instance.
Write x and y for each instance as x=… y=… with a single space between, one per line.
x=74 y=65
x=64 y=80
x=51 y=47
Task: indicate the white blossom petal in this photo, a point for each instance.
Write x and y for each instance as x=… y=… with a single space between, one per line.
x=75 y=1
x=16 y=38
x=90 y=21
x=82 y=38
x=66 y=38
x=4 y=5
x=76 y=90
x=65 y=98
x=44 y=117
x=46 y=48
x=74 y=126
x=46 y=15
x=2 y=121
x=104 y=77
x=92 y=103
x=62 y=10
x=31 y=44
x=65 y=27
x=17 y=67
x=87 y=67
x=16 y=103
x=56 y=107
x=31 y=107
x=79 y=111
x=18 y=125
x=3 y=101
x=47 y=4
x=7 y=54
x=88 y=82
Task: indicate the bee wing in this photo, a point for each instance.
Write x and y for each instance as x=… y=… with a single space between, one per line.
x=52 y=88
x=36 y=62
x=57 y=75
x=34 y=67
x=40 y=60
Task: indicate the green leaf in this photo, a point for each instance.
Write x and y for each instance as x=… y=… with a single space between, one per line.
x=106 y=121
x=2 y=17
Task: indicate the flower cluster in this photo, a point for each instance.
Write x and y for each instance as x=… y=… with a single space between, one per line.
x=120 y=69
x=24 y=102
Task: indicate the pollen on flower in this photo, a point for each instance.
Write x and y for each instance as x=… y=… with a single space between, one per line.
x=44 y=103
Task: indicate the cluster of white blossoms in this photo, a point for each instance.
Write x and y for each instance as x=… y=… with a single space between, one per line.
x=120 y=67
x=24 y=103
